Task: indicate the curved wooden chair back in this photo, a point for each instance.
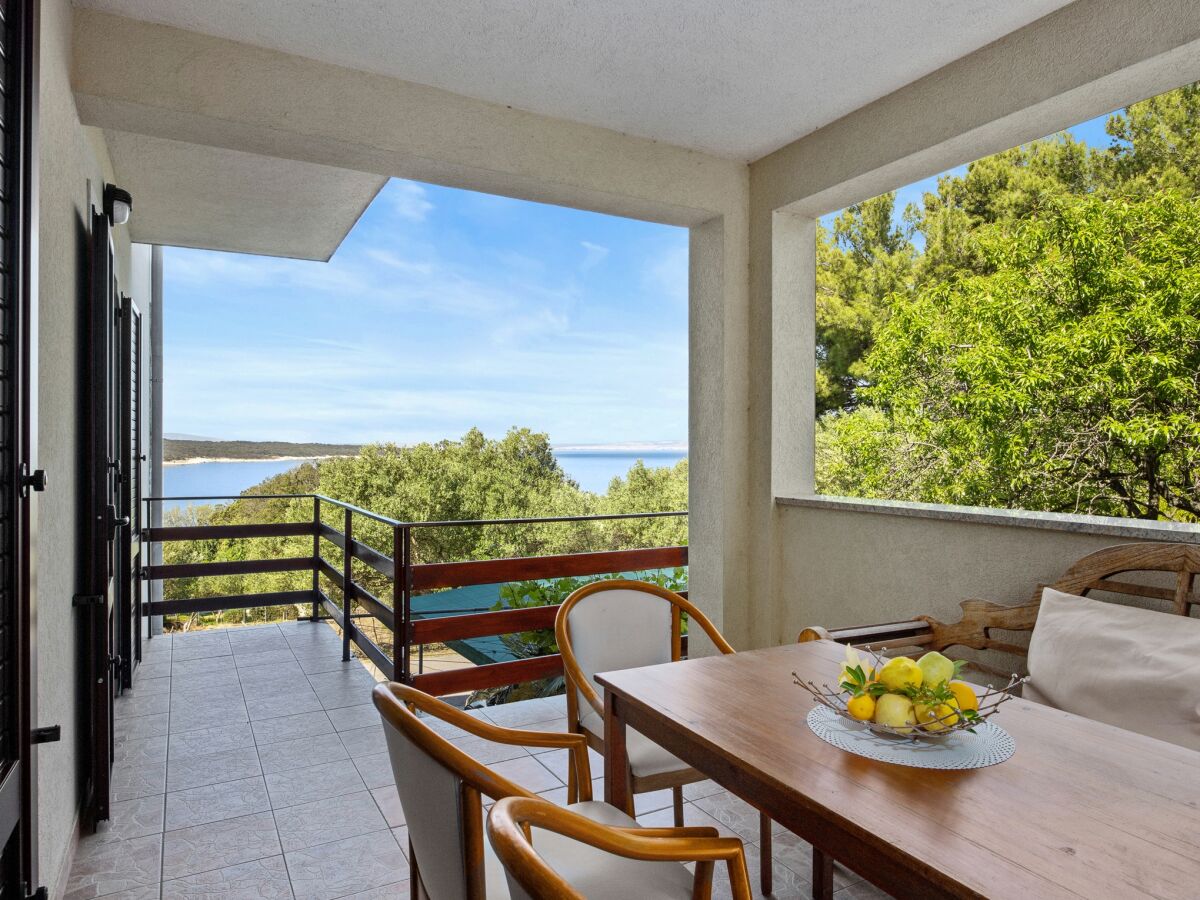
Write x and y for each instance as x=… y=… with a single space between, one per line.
x=643 y=626
x=530 y=877
x=983 y=623
x=446 y=785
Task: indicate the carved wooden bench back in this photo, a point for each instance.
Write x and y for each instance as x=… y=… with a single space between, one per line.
x=1099 y=571
x=983 y=624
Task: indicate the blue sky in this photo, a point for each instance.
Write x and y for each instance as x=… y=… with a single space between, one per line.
x=442 y=310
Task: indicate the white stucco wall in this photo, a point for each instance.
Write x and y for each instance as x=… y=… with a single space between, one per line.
x=840 y=567
x=73 y=170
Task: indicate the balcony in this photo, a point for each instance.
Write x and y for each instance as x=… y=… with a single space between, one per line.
x=389 y=611
x=251 y=763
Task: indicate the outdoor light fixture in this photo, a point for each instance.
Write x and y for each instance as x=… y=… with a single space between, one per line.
x=117 y=204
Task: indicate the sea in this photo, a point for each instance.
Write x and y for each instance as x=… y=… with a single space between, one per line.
x=592 y=469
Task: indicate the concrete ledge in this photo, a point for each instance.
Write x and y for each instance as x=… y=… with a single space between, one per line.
x=1134 y=529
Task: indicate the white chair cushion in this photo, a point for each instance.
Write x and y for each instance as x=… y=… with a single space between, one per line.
x=1134 y=668
x=619 y=628
x=645 y=756
x=594 y=873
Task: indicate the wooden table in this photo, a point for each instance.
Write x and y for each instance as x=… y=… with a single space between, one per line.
x=1082 y=809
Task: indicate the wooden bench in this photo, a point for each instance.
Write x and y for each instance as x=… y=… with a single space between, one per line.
x=985 y=626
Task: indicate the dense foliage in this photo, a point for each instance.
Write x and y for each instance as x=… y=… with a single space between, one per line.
x=472 y=479
x=1029 y=336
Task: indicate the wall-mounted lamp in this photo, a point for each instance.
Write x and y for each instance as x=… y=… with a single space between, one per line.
x=117 y=204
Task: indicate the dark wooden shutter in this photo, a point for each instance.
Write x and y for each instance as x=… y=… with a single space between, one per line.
x=18 y=104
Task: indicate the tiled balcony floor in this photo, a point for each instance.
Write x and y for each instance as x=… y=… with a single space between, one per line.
x=250 y=763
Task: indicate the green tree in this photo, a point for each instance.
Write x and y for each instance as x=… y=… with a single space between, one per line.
x=864 y=260
x=1065 y=377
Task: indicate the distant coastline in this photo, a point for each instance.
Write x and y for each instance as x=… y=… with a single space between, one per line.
x=192 y=450
x=183 y=451
x=195 y=460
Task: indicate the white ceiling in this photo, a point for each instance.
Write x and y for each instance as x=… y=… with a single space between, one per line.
x=188 y=195
x=736 y=78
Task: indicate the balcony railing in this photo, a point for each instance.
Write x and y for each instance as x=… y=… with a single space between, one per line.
x=404 y=579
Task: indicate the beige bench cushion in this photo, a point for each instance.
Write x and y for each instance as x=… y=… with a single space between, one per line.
x=1134 y=668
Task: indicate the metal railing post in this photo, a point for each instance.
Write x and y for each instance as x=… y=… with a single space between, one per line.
x=316 y=579
x=147 y=561
x=402 y=604
x=347 y=575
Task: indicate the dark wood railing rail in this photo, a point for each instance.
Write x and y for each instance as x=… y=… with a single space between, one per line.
x=408 y=633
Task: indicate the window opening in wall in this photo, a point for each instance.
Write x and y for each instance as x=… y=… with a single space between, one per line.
x=1024 y=331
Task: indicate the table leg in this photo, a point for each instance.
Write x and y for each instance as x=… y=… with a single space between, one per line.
x=618 y=791
x=765 y=861
x=822 y=875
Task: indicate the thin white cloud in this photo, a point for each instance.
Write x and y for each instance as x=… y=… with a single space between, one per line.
x=594 y=254
x=410 y=200
x=395 y=261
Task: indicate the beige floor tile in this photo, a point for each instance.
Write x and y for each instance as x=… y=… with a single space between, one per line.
x=527 y=772
x=388 y=801
x=106 y=868
x=131 y=780
x=203 y=741
x=348 y=718
x=376 y=771
x=301 y=753
x=128 y=819
x=226 y=765
x=289 y=728
x=345 y=867
x=295 y=786
x=364 y=741
x=274 y=706
x=331 y=819
x=732 y=812
x=261 y=879
x=215 y=845
x=214 y=802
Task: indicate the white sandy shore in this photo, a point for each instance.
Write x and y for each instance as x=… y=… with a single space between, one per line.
x=230 y=459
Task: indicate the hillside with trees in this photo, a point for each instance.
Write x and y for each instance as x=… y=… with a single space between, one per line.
x=1029 y=336
x=178 y=449
x=474 y=478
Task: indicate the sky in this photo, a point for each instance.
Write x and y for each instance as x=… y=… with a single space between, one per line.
x=441 y=311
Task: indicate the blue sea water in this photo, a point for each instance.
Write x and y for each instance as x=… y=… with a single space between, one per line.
x=593 y=470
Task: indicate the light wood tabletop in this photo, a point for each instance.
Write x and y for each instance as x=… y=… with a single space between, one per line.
x=1082 y=809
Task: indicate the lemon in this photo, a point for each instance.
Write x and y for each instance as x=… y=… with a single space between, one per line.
x=935 y=668
x=964 y=694
x=936 y=717
x=896 y=711
x=861 y=707
x=900 y=673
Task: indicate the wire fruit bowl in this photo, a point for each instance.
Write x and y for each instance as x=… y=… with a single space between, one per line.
x=938 y=729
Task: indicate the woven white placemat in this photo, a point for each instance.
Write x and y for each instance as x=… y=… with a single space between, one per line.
x=989 y=745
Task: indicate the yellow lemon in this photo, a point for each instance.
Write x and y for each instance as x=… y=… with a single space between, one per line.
x=936 y=717
x=899 y=673
x=964 y=694
x=861 y=707
x=896 y=711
